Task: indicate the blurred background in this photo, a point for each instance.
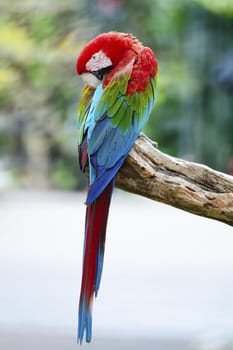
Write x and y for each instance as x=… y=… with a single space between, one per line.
x=170 y=284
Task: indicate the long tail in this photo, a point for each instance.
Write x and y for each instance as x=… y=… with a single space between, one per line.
x=94 y=242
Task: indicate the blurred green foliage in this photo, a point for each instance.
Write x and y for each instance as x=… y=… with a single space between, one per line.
x=39 y=91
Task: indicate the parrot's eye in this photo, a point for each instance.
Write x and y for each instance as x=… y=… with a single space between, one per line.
x=95 y=57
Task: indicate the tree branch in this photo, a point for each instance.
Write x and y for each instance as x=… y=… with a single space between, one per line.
x=193 y=187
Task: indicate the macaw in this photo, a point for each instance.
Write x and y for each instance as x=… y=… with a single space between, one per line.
x=121 y=77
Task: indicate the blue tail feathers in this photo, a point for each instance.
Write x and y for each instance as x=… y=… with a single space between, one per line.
x=84 y=323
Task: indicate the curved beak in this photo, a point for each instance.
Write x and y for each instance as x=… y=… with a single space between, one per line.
x=99 y=74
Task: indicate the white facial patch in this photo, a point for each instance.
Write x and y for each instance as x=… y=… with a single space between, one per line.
x=98 y=61
x=91 y=80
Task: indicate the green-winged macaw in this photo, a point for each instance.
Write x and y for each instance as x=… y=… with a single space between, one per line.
x=120 y=76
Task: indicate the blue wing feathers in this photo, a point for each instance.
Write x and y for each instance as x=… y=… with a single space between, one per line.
x=110 y=140
x=102 y=180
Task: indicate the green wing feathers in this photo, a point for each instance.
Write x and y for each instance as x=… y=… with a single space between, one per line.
x=83 y=109
x=121 y=107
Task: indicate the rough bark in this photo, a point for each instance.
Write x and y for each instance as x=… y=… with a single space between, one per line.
x=192 y=187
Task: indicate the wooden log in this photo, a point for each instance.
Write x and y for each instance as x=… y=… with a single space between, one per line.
x=192 y=187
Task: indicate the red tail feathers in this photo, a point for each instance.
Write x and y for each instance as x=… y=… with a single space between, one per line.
x=95 y=233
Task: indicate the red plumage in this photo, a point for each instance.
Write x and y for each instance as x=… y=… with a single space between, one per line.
x=122 y=48
x=113 y=44
x=95 y=233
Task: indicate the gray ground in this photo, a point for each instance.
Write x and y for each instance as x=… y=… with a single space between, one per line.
x=13 y=341
x=167 y=274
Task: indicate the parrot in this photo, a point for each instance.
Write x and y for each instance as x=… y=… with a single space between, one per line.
x=120 y=88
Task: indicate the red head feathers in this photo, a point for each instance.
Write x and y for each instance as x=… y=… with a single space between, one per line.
x=113 y=53
x=114 y=46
